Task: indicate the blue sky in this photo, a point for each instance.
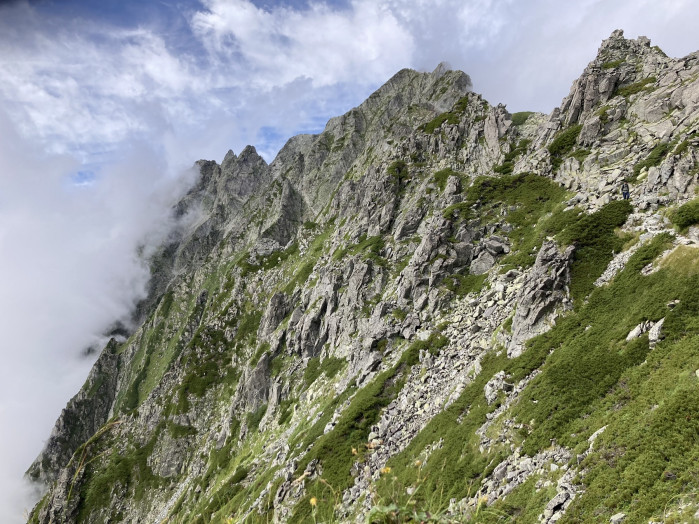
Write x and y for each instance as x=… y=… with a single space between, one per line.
x=106 y=104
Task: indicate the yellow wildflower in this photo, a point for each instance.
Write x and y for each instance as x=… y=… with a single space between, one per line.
x=385 y=470
x=314 y=501
x=354 y=451
x=418 y=463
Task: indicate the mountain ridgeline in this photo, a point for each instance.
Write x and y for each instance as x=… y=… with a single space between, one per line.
x=433 y=311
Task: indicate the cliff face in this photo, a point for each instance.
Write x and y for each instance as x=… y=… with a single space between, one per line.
x=433 y=309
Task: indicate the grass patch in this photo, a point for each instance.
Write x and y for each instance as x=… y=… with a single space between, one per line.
x=450 y=117
x=179 y=431
x=261 y=350
x=686 y=215
x=399 y=314
x=248 y=325
x=399 y=171
x=330 y=367
x=527 y=200
x=462 y=285
x=580 y=154
x=340 y=448
x=563 y=143
x=636 y=87
x=128 y=470
x=588 y=361
x=590 y=377
x=267 y=263
x=612 y=64
x=312 y=371
x=440 y=177
x=654 y=158
x=460 y=210
x=681 y=147
x=254 y=418
x=683 y=260
x=521 y=117
x=508 y=163
x=369 y=247
x=596 y=242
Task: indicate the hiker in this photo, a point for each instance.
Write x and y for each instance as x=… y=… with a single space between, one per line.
x=625 y=190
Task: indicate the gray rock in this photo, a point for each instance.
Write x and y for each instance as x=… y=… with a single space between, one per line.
x=482 y=263
x=544 y=290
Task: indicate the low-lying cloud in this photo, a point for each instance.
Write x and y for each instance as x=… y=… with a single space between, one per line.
x=68 y=269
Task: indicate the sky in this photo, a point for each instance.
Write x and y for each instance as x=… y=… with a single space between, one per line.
x=106 y=104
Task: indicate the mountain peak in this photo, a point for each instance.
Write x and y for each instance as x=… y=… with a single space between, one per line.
x=432 y=288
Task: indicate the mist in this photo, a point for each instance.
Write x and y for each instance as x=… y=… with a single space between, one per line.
x=68 y=270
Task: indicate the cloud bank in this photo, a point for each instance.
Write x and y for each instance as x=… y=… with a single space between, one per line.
x=102 y=111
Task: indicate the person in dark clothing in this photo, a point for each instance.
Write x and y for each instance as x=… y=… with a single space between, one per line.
x=625 y=192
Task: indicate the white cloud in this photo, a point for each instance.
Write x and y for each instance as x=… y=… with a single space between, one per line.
x=359 y=45
x=68 y=270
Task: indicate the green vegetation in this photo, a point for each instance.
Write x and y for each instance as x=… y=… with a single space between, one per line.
x=521 y=117
x=254 y=418
x=399 y=314
x=304 y=266
x=451 y=117
x=330 y=367
x=464 y=284
x=533 y=205
x=594 y=377
x=248 y=325
x=681 y=147
x=433 y=345
x=509 y=162
x=460 y=210
x=563 y=144
x=239 y=475
x=454 y=467
x=399 y=170
x=612 y=64
x=270 y=262
x=347 y=443
x=583 y=374
x=286 y=410
x=127 y=470
x=369 y=247
x=654 y=158
x=686 y=215
x=580 y=154
x=440 y=177
x=636 y=87
x=206 y=365
x=595 y=243
x=179 y=431
x=261 y=350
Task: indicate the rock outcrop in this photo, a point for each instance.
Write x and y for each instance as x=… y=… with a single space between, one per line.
x=392 y=298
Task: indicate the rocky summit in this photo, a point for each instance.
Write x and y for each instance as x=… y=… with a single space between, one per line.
x=432 y=311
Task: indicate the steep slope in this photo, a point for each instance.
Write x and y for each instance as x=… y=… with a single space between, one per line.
x=433 y=309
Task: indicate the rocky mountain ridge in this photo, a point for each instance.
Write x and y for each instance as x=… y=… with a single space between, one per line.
x=434 y=309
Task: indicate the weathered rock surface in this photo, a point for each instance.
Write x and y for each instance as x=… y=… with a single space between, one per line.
x=542 y=293
x=355 y=288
